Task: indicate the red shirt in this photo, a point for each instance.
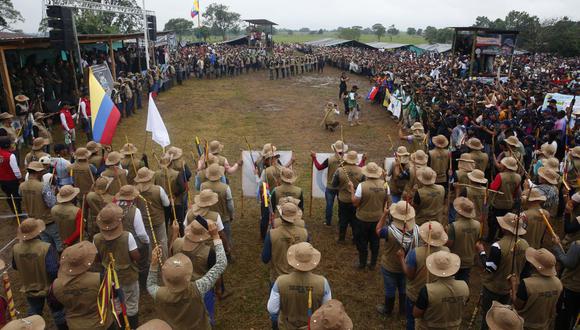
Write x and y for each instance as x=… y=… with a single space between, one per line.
x=69 y=119
x=6 y=173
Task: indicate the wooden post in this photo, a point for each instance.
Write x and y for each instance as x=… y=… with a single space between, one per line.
x=112 y=55
x=6 y=83
x=312 y=185
x=472 y=60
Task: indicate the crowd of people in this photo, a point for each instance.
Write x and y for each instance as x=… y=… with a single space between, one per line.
x=485 y=176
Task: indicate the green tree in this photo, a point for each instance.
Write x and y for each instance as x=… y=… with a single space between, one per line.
x=419 y=32
x=561 y=37
x=96 y=22
x=220 y=19
x=304 y=30
x=430 y=34
x=529 y=27
x=352 y=33
x=321 y=31
x=482 y=21
x=411 y=31
x=202 y=32
x=392 y=31
x=444 y=35
x=180 y=26
x=8 y=15
x=379 y=30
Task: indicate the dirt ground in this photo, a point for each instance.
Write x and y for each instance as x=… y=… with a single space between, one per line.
x=288 y=114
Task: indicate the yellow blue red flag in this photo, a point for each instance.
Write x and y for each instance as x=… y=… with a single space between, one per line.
x=195 y=10
x=105 y=115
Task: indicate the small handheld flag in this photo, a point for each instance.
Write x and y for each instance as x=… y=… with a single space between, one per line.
x=105 y=116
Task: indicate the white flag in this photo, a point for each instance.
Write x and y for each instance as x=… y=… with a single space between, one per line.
x=155 y=125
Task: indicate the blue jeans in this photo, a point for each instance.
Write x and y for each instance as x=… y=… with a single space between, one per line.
x=36 y=305
x=228 y=232
x=393 y=281
x=409 y=312
x=330 y=195
x=452 y=214
x=209 y=301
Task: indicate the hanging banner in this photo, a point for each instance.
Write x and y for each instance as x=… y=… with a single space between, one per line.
x=249 y=184
x=319 y=177
x=104 y=77
x=563 y=101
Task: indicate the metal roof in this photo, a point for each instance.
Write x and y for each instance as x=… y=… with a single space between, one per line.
x=260 y=21
x=439 y=48
x=14 y=35
x=387 y=45
x=482 y=29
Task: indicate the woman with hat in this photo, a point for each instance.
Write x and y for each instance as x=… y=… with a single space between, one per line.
x=164 y=177
x=114 y=171
x=369 y=198
x=429 y=199
x=463 y=233
x=76 y=288
x=439 y=159
x=287 y=189
x=440 y=304
x=535 y=297
x=399 y=173
x=37 y=263
x=96 y=200
x=417 y=140
x=331 y=316
x=504 y=317
x=37 y=150
x=121 y=244
x=83 y=173
x=532 y=201
x=480 y=158
x=10 y=174
x=180 y=301
x=400 y=232
x=508 y=182
x=499 y=262
x=414 y=263
x=129 y=163
x=67 y=215
x=291 y=293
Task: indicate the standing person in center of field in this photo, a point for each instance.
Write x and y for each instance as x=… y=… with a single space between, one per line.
x=348 y=172
x=353 y=106
x=369 y=198
x=342 y=88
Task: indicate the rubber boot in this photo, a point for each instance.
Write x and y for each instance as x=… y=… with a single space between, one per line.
x=402 y=304
x=387 y=308
x=133 y=321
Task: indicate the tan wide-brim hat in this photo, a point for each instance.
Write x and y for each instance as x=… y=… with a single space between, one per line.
x=533 y=195
x=477 y=176
x=215 y=147
x=82 y=154
x=443 y=263
x=548 y=150
x=510 y=222
x=549 y=175
x=403 y=215
x=465 y=207
x=268 y=148
x=67 y=193
x=331 y=316
x=372 y=171
x=175 y=152
x=194 y=233
x=417 y=126
x=419 y=157
x=144 y=175
x=512 y=141
x=288 y=199
x=29 y=229
x=21 y=98
x=102 y=184
x=109 y=221
x=426 y=176
x=127 y=193
x=35 y=166
x=339 y=146
x=503 y=317
x=34 y=322
x=543 y=260
x=575 y=152
x=39 y=143
x=551 y=163
x=290 y=212
x=440 y=141
x=77 y=259
x=287 y=175
x=128 y=149
x=5 y=115
x=194 y=211
x=39 y=115
x=113 y=158
x=432 y=233
x=303 y=257
x=351 y=157
x=214 y=172
x=402 y=151
x=474 y=144
x=176 y=272
x=466 y=158
x=93 y=146
x=510 y=163
x=206 y=198
x=155 y=324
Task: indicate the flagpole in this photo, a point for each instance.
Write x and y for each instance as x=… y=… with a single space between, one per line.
x=145 y=36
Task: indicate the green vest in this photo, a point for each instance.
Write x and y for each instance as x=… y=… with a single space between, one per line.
x=131 y=166
x=154 y=204
x=287 y=190
x=510 y=181
x=462 y=178
x=439 y=160
x=198 y=256
x=119 y=178
x=96 y=202
x=480 y=158
x=447 y=298
x=126 y=269
x=467 y=232
x=221 y=206
x=129 y=220
x=272 y=174
x=281 y=238
x=397 y=184
x=333 y=164
x=540 y=308
x=347 y=171
x=389 y=260
x=573 y=174
x=432 y=204
x=497 y=282
x=32 y=201
x=571 y=277
x=30 y=259
x=82 y=176
x=372 y=200
x=182 y=310
x=415 y=285
x=477 y=196
x=536 y=228
x=293 y=290
x=66 y=219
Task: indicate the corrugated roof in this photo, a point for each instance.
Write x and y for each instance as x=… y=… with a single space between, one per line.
x=260 y=21
x=14 y=35
x=387 y=45
x=439 y=48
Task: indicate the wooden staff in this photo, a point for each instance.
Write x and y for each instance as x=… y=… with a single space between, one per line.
x=15 y=209
x=82 y=219
x=341 y=136
x=170 y=190
x=480 y=188
x=311 y=187
x=151 y=225
x=429 y=247
x=550 y=229
x=9 y=296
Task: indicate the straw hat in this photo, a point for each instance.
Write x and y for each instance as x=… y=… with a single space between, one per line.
x=466 y=159
x=215 y=147
x=29 y=229
x=543 y=260
x=194 y=233
x=93 y=146
x=82 y=154
x=438 y=234
x=440 y=141
x=417 y=126
x=268 y=148
x=403 y=215
x=419 y=157
x=331 y=316
x=35 y=166
x=503 y=317
x=102 y=184
x=206 y=198
x=39 y=143
x=67 y=193
x=465 y=207
x=144 y=175
x=128 y=149
x=477 y=176
x=39 y=115
x=549 y=175
x=287 y=175
x=351 y=157
x=288 y=199
x=21 y=98
x=339 y=146
x=552 y=163
x=509 y=222
x=372 y=171
x=512 y=141
x=548 y=150
x=5 y=115
x=303 y=256
x=110 y=220
x=534 y=195
x=426 y=176
x=290 y=212
x=474 y=144
x=113 y=158
x=575 y=152
x=77 y=259
x=34 y=322
x=214 y=172
x=154 y=324
x=176 y=272
x=165 y=160
x=510 y=163
x=443 y=263
x=175 y=152
x=402 y=151
x=127 y=193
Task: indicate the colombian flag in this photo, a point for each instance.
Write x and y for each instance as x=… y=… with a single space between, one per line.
x=195 y=10
x=105 y=115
